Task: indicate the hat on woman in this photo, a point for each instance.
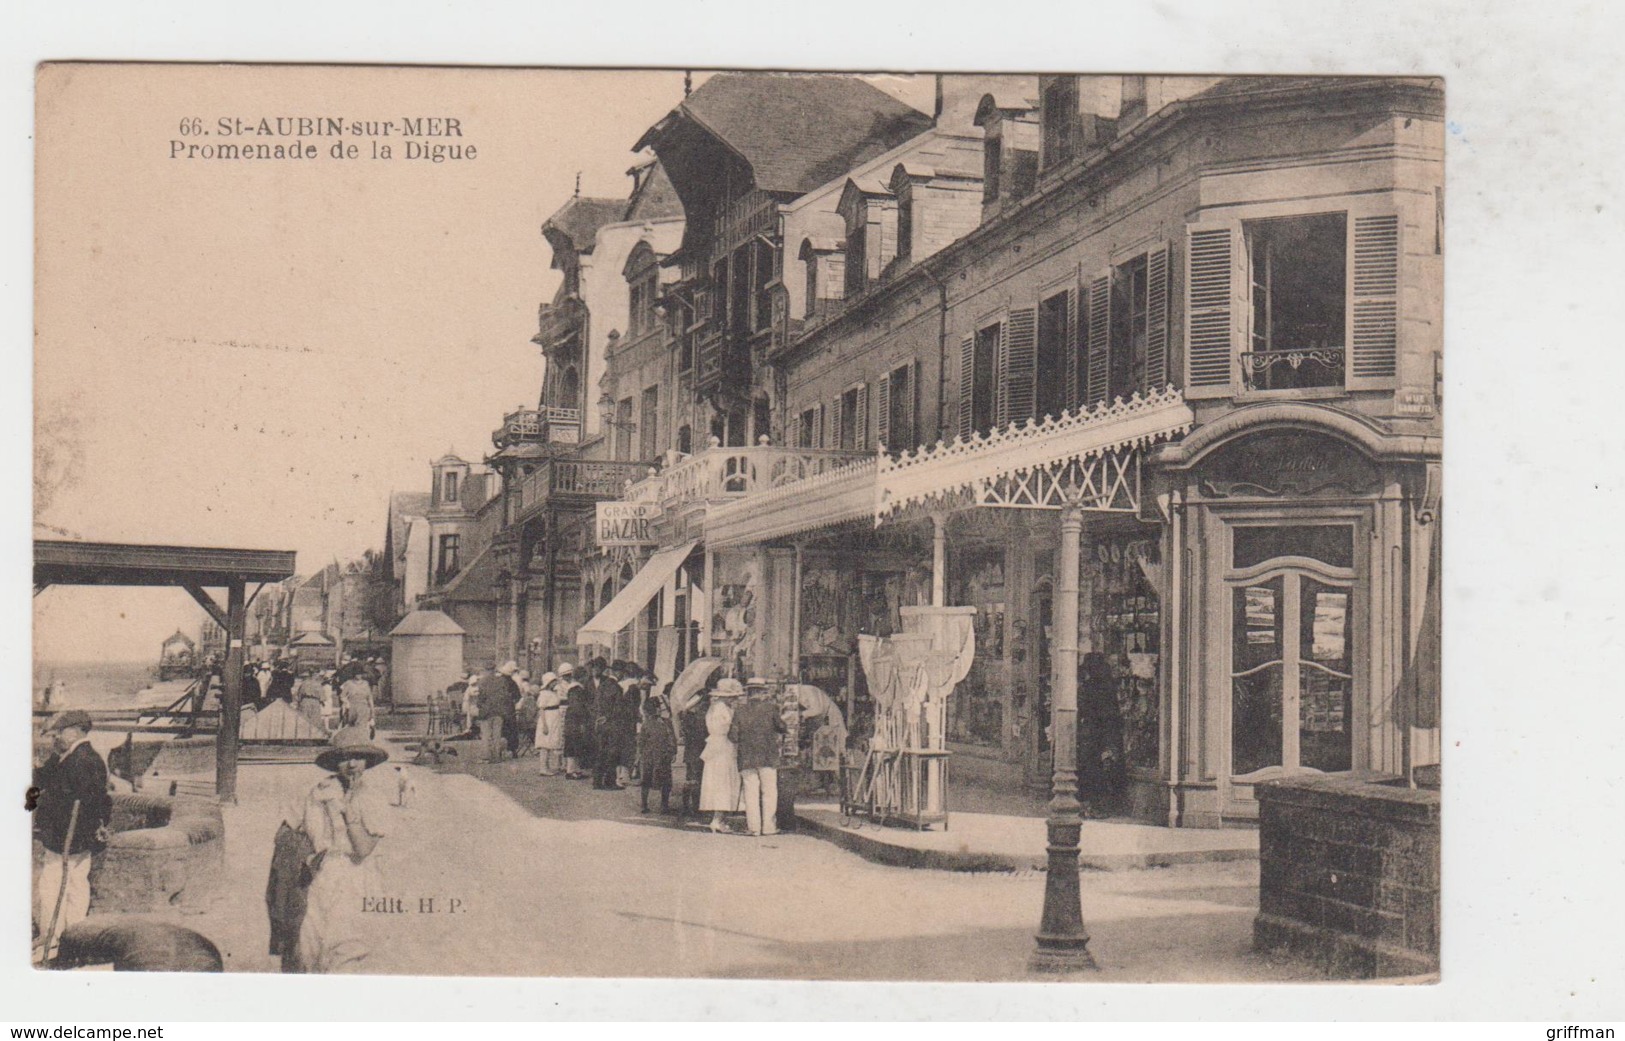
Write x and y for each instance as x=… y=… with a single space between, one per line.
x=548 y=677
x=566 y=669
x=350 y=743
x=509 y=668
x=728 y=688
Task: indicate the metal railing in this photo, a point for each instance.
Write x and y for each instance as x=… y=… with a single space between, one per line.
x=573 y=479
x=1293 y=368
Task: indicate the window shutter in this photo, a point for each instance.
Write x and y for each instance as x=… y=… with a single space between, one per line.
x=967 y=383
x=1100 y=330
x=860 y=425
x=1076 y=370
x=832 y=432
x=1158 y=292
x=1001 y=372
x=910 y=434
x=1215 y=281
x=1019 y=395
x=1373 y=318
x=818 y=428
x=883 y=413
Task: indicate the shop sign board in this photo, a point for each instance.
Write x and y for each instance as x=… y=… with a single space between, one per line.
x=627 y=523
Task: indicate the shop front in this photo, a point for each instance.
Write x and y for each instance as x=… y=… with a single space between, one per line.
x=1303 y=540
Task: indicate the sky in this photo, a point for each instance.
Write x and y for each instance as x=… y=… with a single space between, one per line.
x=256 y=354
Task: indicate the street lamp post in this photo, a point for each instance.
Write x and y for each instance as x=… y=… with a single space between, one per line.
x=1063 y=941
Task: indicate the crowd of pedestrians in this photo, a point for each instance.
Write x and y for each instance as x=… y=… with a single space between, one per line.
x=607 y=724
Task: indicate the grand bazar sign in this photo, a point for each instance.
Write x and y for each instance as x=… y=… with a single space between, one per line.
x=627 y=523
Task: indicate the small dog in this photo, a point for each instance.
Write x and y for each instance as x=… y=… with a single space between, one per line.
x=405 y=786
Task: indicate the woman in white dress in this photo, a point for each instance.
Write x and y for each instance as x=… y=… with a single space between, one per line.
x=549 y=725
x=345 y=821
x=720 y=787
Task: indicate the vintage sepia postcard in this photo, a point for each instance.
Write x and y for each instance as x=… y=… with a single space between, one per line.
x=806 y=526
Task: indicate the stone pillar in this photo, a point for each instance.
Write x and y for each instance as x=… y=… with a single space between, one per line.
x=1063 y=941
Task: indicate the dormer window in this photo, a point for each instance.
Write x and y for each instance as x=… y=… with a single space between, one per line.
x=825 y=264
x=1009 y=150
x=449 y=488
x=1058 y=116
x=870 y=213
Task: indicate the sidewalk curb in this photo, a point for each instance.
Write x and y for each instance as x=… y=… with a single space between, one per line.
x=876 y=850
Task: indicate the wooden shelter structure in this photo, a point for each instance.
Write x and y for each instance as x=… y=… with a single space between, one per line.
x=196 y=569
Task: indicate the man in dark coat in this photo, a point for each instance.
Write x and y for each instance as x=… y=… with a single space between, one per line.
x=495 y=706
x=282 y=680
x=608 y=704
x=757 y=732
x=1100 y=736
x=72 y=796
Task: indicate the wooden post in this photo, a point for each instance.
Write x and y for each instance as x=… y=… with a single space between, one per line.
x=231 y=696
x=1063 y=941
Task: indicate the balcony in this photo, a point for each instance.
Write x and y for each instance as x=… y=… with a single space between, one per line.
x=571 y=482
x=1293 y=369
x=723 y=474
x=548 y=425
x=753 y=213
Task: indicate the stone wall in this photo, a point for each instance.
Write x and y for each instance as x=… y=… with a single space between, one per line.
x=1349 y=875
x=165 y=854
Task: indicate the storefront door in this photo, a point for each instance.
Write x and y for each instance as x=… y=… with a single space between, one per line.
x=1293 y=600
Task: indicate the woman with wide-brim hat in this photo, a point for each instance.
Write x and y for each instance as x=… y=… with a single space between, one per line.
x=549 y=725
x=345 y=821
x=720 y=784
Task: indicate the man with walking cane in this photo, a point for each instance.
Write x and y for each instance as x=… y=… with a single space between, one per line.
x=70 y=824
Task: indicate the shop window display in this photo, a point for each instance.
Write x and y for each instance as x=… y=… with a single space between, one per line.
x=1128 y=629
x=976 y=711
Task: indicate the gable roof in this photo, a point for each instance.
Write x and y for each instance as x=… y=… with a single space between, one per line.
x=401 y=506
x=579 y=220
x=427 y=623
x=797 y=131
x=654 y=198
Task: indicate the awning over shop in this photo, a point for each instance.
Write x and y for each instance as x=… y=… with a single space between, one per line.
x=1035 y=461
x=634 y=595
x=836 y=496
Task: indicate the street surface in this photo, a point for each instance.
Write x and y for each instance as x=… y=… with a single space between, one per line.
x=552 y=878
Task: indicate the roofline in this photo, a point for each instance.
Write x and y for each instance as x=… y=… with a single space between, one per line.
x=1159 y=122
x=61 y=562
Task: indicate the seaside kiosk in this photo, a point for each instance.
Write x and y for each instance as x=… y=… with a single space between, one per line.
x=196 y=569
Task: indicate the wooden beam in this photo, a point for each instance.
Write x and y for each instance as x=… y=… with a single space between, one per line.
x=206 y=602
x=231 y=696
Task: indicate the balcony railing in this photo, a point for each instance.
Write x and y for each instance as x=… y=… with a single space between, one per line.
x=720 y=473
x=753 y=213
x=557 y=425
x=1293 y=369
x=568 y=482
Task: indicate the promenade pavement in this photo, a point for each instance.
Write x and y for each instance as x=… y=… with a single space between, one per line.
x=550 y=878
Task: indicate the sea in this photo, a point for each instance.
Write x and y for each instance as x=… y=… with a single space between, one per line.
x=101 y=684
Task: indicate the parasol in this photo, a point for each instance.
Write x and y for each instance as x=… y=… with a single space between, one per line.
x=690 y=681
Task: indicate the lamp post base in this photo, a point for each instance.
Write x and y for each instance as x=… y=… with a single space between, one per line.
x=1061 y=961
x=1063 y=940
